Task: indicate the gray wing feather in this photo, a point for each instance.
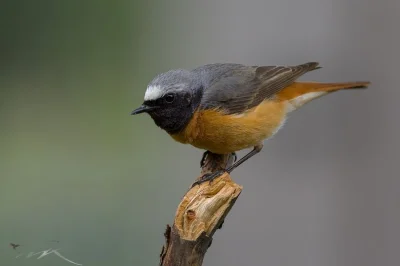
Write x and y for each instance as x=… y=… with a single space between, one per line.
x=235 y=88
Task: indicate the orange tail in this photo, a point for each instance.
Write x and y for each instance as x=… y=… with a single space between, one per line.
x=300 y=93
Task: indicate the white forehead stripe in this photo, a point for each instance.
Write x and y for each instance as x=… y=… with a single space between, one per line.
x=153 y=93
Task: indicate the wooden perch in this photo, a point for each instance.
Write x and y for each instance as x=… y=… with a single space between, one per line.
x=201 y=212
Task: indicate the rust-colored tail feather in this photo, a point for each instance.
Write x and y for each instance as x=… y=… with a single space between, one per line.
x=300 y=93
x=300 y=88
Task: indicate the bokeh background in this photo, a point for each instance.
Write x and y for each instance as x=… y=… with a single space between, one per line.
x=76 y=167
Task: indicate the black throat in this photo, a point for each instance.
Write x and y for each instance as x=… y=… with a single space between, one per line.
x=173 y=119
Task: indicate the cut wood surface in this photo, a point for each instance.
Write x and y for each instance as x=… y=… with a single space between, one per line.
x=200 y=213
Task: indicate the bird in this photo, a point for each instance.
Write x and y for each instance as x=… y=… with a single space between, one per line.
x=223 y=108
x=14 y=246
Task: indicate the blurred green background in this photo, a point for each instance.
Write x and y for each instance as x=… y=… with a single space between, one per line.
x=76 y=167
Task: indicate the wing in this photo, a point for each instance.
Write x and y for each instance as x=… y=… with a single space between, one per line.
x=239 y=88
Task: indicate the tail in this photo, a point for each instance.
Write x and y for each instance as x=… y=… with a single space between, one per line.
x=300 y=93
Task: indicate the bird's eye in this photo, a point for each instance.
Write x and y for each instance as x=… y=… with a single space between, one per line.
x=169 y=98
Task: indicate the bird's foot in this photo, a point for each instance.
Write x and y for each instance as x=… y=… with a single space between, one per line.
x=208 y=177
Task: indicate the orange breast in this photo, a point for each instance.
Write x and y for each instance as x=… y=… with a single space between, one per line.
x=211 y=130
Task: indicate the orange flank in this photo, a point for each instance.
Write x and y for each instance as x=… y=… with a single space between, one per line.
x=214 y=131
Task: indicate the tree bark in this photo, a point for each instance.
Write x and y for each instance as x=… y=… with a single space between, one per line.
x=201 y=212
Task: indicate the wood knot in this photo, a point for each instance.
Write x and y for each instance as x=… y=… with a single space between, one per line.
x=190 y=214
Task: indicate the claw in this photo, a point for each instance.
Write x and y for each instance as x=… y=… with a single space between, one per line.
x=208 y=177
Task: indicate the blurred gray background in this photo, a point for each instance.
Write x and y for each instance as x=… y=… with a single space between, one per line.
x=76 y=167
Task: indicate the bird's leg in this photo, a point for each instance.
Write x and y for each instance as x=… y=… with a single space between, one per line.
x=234 y=156
x=211 y=176
x=256 y=150
x=203 y=159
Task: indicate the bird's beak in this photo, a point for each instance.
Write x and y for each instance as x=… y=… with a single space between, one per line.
x=143 y=109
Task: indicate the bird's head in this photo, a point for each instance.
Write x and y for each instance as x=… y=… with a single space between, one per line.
x=171 y=99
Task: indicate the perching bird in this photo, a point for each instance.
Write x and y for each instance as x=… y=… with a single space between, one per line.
x=224 y=108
